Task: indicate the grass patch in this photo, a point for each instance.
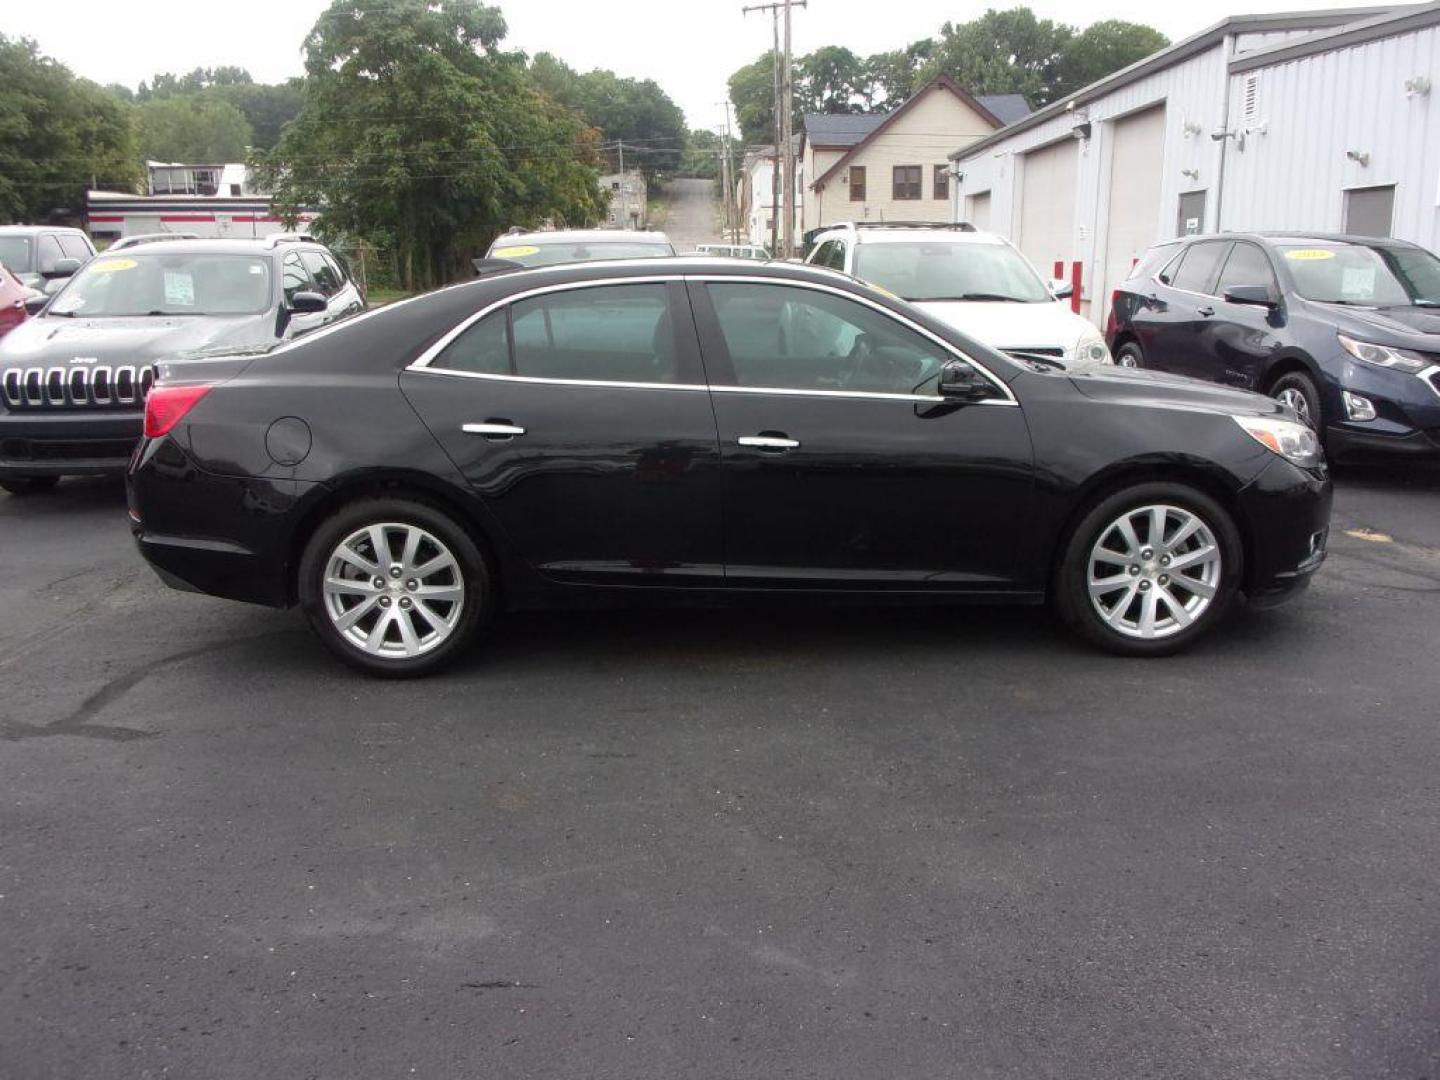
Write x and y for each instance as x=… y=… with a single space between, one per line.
x=378 y=297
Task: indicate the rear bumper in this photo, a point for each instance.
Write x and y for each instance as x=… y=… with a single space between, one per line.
x=67 y=443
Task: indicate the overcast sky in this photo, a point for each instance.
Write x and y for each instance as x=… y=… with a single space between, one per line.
x=688 y=46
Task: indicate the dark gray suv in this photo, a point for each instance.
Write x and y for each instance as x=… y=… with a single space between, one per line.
x=73 y=380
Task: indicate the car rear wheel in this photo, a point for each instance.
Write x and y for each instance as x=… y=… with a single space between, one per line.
x=1298 y=391
x=30 y=485
x=1130 y=355
x=394 y=587
x=1149 y=569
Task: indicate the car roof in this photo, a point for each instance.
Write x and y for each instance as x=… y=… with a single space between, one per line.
x=574 y=236
x=878 y=234
x=221 y=246
x=1275 y=236
x=30 y=230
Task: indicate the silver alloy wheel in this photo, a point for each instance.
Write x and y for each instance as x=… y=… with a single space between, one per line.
x=1126 y=359
x=393 y=590
x=1153 y=571
x=1298 y=402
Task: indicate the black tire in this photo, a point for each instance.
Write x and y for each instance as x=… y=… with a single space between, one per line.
x=1070 y=589
x=1304 y=386
x=474 y=572
x=1132 y=353
x=30 y=485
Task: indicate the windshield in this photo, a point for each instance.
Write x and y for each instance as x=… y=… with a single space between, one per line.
x=152 y=284
x=580 y=251
x=1368 y=276
x=15 y=253
x=947 y=271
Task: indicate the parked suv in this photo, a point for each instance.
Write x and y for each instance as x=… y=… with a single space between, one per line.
x=579 y=245
x=43 y=256
x=73 y=380
x=1343 y=329
x=975 y=281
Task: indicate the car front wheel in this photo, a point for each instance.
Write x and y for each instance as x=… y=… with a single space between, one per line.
x=394 y=587
x=1298 y=391
x=1130 y=355
x=1149 y=569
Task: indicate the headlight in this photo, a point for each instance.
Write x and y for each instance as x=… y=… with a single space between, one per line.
x=1092 y=350
x=1290 y=439
x=1384 y=355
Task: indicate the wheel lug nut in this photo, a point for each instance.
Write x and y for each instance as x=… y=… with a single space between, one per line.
x=412 y=584
x=1164 y=579
x=379 y=582
x=1144 y=586
x=1147 y=553
x=1164 y=560
x=384 y=601
x=405 y=602
x=1134 y=570
x=394 y=571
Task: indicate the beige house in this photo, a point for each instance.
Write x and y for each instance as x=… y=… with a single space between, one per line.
x=895 y=166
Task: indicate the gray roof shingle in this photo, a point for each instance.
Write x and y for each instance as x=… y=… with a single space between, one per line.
x=1007 y=107
x=844 y=129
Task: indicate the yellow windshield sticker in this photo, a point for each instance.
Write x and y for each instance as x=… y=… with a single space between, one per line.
x=881 y=289
x=513 y=252
x=109 y=266
x=1307 y=254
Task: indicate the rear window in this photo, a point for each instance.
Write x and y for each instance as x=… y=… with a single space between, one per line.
x=1151 y=262
x=15 y=253
x=1196 y=268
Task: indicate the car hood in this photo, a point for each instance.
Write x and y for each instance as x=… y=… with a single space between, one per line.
x=1107 y=382
x=1403 y=326
x=1004 y=325
x=53 y=340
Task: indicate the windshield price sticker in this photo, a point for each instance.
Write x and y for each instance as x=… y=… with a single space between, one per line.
x=513 y=252
x=179 y=289
x=110 y=266
x=1309 y=254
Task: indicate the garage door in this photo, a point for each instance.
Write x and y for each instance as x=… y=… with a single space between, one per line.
x=978 y=212
x=1137 y=149
x=1047 y=207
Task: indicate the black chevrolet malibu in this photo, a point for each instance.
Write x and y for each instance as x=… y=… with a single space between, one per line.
x=647 y=430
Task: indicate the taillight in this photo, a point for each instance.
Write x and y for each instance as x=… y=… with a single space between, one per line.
x=166 y=405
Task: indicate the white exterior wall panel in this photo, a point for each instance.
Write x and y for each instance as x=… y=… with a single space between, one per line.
x=1317 y=107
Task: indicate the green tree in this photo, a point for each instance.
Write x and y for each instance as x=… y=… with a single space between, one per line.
x=59 y=135
x=1103 y=48
x=752 y=92
x=193 y=128
x=267 y=107
x=1003 y=52
x=634 y=111
x=891 y=77
x=702 y=155
x=419 y=135
x=832 y=79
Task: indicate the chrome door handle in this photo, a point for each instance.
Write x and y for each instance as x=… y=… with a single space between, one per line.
x=768 y=442
x=494 y=429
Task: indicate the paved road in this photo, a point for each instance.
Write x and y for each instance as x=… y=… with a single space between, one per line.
x=691 y=217
x=855 y=844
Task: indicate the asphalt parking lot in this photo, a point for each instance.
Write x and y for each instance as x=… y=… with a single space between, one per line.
x=719 y=844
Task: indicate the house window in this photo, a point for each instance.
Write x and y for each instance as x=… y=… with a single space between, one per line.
x=857 y=183
x=942 y=182
x=905 y=182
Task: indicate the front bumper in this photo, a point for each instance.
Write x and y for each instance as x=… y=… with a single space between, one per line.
x=1287 y=514
x=1347 y=443
x=1407 y=421
x=67 y=443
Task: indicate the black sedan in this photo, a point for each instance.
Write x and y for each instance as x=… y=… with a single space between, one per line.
x=652 y=430
x=1343 y=329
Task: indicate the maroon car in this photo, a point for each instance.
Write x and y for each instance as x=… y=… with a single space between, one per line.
x=12 y=301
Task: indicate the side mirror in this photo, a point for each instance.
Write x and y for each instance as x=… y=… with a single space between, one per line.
x=36 y=304
x=1259 y=295
x=486 y=267
x=304 y=303
x=1061 y=290
x=62 y=268
x=960 y=381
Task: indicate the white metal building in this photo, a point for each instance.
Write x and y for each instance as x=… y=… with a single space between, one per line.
x=1318 y=120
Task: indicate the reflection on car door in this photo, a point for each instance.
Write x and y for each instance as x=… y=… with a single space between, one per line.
x=581 y=419
x=1181 y=333
x=841 y=466
x=1244 y=337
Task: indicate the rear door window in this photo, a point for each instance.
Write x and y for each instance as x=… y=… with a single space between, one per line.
x=49 y=253
x=483 y=348
x=1198 y=266
x=609 y=333
x=296 y=277
x=322 y=272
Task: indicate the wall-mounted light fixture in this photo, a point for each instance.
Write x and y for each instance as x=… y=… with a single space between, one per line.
x=1360 y=157
x=1081 y=130
x=1190 y=174
x=1418 y=86
x=1221 y=134
x=1191 y=129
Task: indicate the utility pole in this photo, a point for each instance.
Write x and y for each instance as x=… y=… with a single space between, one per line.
x=624 y=195
x=784 y=131
x=731 y=182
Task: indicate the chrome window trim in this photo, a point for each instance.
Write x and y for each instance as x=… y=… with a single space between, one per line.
x=422 y=363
